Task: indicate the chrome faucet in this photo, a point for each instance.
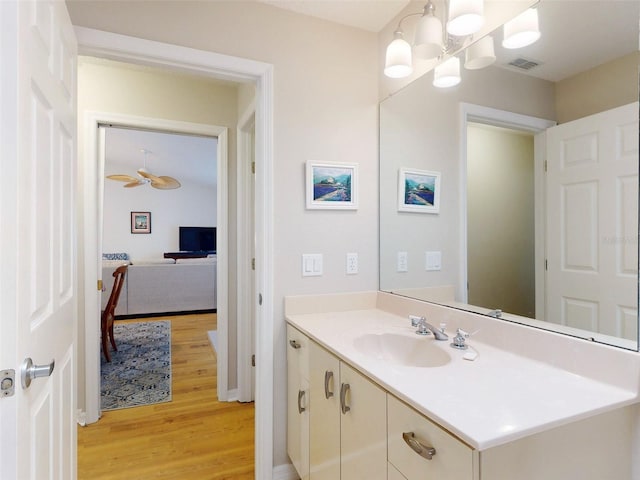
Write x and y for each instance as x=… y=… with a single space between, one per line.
x=425 y=327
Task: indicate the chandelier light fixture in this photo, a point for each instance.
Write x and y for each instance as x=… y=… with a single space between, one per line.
x=432 y=41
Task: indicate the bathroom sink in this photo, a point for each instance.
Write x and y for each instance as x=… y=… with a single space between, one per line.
x=417 y=351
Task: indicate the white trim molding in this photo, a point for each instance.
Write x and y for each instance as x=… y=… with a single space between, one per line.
x=199 y=62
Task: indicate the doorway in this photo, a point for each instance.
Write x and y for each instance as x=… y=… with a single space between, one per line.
x=119 y=47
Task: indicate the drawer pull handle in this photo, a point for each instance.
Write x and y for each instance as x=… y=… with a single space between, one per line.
x=294 y=344
x=301 y=394
x=421 y=449
x=328 y=377
x=344 y=388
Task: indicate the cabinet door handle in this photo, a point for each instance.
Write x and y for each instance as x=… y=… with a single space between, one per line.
x=420 y=448
x=301 y=394
x=344 y=388
x=294 y=344
x=328 y=377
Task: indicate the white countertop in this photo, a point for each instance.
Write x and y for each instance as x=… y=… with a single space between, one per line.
x=495 y=399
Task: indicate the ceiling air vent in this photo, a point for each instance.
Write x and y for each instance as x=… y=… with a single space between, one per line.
x=524 y=63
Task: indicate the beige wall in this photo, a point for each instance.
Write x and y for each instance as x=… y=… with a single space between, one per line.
x=500 y=219
x=325 y=109
x=607 y=86
x=106 y=86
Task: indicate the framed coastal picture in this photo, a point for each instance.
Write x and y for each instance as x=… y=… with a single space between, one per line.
x=140 y=222
x=332 y=185
x=418 y=191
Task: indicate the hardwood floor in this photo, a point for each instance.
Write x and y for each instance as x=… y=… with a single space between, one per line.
x=192 y=437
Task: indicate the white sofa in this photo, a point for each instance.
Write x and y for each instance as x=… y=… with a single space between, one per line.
x=162 y=287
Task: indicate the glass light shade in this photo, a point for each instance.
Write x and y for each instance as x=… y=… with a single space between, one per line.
x=465 y=17
x=428 y=41
x=447 y=74
x=398 y=58
x=480 y=54
x=522 y=30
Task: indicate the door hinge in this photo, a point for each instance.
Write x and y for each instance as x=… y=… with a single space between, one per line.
x=253 y=360
x=253 y=167
x=100 y=285
x=253 y=264
x=546 y=166
x=7 y=383
x=546 y=264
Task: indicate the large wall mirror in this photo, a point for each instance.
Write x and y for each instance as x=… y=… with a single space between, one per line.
x=536 y=158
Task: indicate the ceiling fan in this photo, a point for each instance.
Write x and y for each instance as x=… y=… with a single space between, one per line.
x=146 y=178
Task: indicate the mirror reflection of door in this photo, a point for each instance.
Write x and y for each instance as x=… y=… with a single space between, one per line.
x=500 y=219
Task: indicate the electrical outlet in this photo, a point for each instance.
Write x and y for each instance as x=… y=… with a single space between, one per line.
x=403 y=262
x=352 y=263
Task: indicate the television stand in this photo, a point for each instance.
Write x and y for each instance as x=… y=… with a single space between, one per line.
x=176 y=255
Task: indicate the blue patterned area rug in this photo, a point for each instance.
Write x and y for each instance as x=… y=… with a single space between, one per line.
x=140 y=371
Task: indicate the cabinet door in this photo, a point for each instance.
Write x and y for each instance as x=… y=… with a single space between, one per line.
x=363 y=427
x=298 y=401
x=324 y=421
x=452 y=460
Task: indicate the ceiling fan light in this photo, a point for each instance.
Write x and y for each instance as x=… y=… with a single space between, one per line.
x=480 y=54
x=522 y=30
x=465 y=17
x=398 y=58
x=428 y=39
x=447 y=74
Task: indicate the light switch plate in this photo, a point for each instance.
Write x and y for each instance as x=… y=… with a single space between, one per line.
x=433 y=261
x=311 y=264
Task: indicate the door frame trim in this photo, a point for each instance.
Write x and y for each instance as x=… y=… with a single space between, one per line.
x=147 y=52
x=245 y=227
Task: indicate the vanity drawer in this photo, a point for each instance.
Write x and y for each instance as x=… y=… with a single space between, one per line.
x=453 y=460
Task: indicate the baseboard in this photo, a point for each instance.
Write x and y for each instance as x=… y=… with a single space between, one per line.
x=232 y=395
x=285 y=472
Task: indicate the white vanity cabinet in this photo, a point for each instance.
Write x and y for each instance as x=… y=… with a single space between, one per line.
x=347 y=421
x=421 y=450
x=298 y=401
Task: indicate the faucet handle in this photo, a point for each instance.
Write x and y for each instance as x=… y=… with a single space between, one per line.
x=459 y=339
x=416 y=320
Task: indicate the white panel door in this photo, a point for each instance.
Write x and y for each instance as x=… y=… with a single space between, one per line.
x=592 y=222
x=38 y=304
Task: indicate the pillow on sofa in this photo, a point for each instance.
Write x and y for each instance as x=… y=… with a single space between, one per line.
x=115 y=256
x=197 y=260
x=152 y=261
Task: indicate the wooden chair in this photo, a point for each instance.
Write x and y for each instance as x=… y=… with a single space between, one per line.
x=108 y=314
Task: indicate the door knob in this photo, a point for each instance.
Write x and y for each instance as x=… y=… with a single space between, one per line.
x=29 y=371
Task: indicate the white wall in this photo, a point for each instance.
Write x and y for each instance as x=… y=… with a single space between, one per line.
x=325 y=109
x=189 y=205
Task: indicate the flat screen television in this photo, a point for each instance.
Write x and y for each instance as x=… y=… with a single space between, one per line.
x=198 y=239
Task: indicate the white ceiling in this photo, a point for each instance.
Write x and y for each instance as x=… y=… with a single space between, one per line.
x=371 y=15
x=188 y=158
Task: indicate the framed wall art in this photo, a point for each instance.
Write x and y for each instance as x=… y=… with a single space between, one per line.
x=140 y=222
x=332 y=185
x=418 y=191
